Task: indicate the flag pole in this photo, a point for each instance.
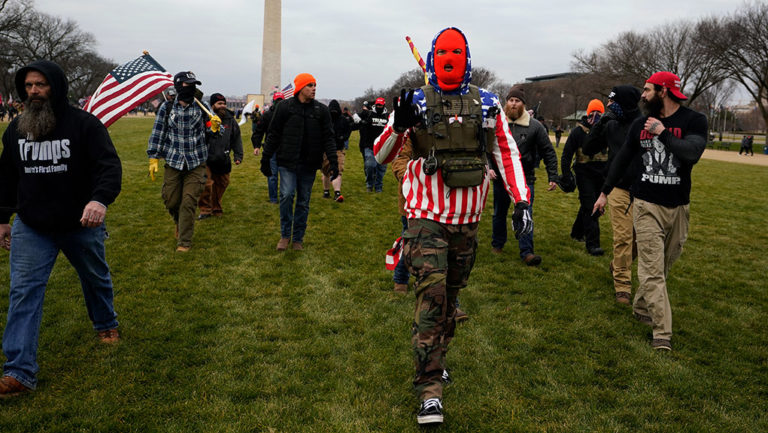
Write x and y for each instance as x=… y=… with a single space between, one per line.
x=204 y=108
x=418 y=58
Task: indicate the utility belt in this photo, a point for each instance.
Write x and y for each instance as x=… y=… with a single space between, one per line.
x=452 y=137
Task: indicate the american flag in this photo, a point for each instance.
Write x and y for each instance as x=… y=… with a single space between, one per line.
x=392 y=257
x=288 y=91
x=126 y=87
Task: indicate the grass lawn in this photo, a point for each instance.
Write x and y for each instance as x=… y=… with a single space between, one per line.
x=236 y=337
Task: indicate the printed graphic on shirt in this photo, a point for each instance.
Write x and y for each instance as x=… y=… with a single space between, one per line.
x=379 y=121
x=48 y=155
x=660 y=166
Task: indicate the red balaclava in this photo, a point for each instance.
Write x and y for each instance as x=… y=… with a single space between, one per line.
x=450 y=67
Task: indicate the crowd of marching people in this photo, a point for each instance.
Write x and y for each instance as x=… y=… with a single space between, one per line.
x=449 y=143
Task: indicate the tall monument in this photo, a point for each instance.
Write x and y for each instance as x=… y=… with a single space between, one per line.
x=270 y=53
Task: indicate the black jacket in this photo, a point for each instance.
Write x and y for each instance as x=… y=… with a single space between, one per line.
x=220 y=145
x=49 y=180
x=533 y=144
x=573 y=147
x=260 y=127
x=299 y=134
x=341 y=126
x=371 y=126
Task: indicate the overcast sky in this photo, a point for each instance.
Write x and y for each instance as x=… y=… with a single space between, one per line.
x=350 y=46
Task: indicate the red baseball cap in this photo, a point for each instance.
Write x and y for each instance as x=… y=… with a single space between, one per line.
x=668 y=80
x=277 y=95
x=380 y=101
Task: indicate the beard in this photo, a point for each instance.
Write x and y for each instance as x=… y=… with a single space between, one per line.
x=37 y=120
x=652 y=107
x=512 y=113
x=221 y=112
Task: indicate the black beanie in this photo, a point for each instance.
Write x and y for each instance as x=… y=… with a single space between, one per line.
x=516 y=92
x=625 y=95
x=216 y=97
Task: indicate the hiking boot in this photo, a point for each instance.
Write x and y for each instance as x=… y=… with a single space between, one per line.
x=282 y=245
x=182 y=249
x=431 y=412
x=338 y=197
x=401 y=288
x=532 y=260
x=298 y=246
x=596 y=251
x=10 y=387
x=623 y=298
x=642 y=318
x=461 y=316
x=660 y=344
x=109 y=336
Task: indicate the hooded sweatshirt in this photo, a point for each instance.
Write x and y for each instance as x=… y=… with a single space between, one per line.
x=341 y=127
x=48 y=180
x=427 y=196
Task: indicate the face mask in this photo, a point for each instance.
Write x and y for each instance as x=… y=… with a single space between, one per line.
x=379 y=110
x=451 y=64
x=186 y=94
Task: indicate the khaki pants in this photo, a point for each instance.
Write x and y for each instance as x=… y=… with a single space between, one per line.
x=210 y=199
x=661 y=233
x=181 y=191
x=624 y=250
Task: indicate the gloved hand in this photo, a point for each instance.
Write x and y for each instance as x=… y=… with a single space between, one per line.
x=406 y=114
x=567 y=182
x=153 y=162
x=522 y=223
x=266 y=170
x=215 y=123
x=334 y=172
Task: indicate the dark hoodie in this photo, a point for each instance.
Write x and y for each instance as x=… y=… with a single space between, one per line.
x=341 y=126
x=220 y=145
x=49 y=181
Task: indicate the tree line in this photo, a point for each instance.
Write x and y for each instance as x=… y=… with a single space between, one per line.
x=27 y=35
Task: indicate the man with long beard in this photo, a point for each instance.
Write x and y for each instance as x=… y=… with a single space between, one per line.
x=58 y=172
x=451 y=126
x=675 y=133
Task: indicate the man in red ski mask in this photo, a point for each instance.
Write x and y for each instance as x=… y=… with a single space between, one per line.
x=452 y=126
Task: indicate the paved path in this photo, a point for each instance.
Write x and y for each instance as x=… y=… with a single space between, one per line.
x=723 y=155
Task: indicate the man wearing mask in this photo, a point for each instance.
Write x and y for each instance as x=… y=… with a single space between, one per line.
x=451 y=125
x=341 y=131
x=259 y=130
x=608 y=135
x=533 y=143
x=590 y=173
x=661 y=199
x=58 y=173
x=178 y=136
x=299 y=134
x=371 y=125
x=219 y=162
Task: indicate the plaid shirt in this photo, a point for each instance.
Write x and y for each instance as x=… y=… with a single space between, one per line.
x=181 y=139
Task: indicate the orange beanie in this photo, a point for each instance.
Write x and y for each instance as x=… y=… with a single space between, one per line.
x=301 y=81
x=595 y=105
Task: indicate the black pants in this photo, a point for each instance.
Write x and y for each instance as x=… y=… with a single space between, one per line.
x=587 y=225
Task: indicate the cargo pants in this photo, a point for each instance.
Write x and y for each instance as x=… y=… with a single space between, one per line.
x=441 y=257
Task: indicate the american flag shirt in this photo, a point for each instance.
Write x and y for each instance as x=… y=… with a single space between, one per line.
x=427 y=196
x=180 y=140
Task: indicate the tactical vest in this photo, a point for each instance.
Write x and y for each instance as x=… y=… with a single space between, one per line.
x=452 y=137
x=581 y=158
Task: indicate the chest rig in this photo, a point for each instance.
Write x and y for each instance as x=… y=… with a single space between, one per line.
x=452 y=137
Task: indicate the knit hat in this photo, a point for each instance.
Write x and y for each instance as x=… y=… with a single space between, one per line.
x=216 y=97
x=516 y=92
x=626 y=96
x=301 y=81
x=668 y=80
x=595 y=105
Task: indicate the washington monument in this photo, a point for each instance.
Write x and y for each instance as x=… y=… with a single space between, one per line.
x=270 y=53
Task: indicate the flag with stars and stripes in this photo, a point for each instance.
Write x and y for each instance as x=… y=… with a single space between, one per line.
x=126 y=87
x=288 y=91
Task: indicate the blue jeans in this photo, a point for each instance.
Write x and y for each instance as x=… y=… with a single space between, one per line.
x=272 y=180
x=401 y=270
x=501 y=204
x=374 y=172
x=296 y=184
x=32 y=257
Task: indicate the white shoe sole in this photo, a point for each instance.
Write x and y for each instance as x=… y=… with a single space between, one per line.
x=429 y=419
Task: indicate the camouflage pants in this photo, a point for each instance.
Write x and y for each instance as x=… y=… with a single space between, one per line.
x=441 y=257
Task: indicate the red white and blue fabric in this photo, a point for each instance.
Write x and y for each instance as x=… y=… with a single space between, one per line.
x=288 y=91
x=126 y=87
x=393 y=255
x=427 y=196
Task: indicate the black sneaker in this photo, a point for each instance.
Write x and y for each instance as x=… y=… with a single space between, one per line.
x=446 y=378
x=326 y=194
x=431 y=412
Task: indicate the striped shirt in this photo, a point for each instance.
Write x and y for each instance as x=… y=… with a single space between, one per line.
x=180 y=140
x=427 y=196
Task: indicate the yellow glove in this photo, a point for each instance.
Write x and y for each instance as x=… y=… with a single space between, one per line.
x=215 y=123
x=153 y=167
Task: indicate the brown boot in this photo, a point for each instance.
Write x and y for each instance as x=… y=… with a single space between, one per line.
x=461 y=316
x=283 y=244
x=109 y=336
x=298 y=246
x=623 y=298
x=10 y=387
x=401 y=288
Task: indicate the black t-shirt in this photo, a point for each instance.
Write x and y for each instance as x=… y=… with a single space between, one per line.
x=667 y=159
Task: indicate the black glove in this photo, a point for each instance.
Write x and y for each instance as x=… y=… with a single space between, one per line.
x=522 y=223
x=333 y=172
x=266 y=170
x=566 y=182
x=406 y=114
